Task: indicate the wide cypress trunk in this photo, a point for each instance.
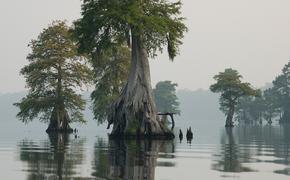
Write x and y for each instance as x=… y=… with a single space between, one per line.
x=230 y=116
x=59 y=121
x=134 y=112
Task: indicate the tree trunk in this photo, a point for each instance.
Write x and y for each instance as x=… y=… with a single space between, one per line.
x=230 y=116
x=285 y=117
x=270 y=120
x=134 y=112
x=59 y=121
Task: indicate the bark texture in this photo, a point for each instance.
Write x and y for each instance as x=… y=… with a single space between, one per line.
x=230 y=116
x=134 y=113
x=59 y=121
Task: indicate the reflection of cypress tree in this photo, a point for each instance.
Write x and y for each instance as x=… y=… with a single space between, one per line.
x=282 y=151
x=276 y=139
x=130 y=160
x=262 y=140
x=230 y=158
x=101 y=160
x=51 y=159
x=133 y=160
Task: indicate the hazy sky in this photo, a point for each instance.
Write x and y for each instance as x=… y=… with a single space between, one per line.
x=252 y=36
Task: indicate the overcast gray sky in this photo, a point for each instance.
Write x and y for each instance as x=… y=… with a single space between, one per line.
x=252 y=36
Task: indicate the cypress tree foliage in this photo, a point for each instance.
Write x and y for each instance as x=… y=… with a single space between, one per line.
x=110 y=74
x=281 y=87
x=146 y=26
x=54 y=72
x=271 y=105
x=231 y=87
x=165 y=97
x=251 y=110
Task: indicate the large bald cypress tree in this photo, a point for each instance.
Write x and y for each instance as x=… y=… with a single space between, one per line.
x=146 y=26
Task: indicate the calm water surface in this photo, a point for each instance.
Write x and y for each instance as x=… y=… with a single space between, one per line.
x=257 y=152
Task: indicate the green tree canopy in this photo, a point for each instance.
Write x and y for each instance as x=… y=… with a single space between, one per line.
x=266 y=106
x=250 y=110
x=54 y=72
x=281 y=88
x=165 y=97
x=145 y=26
x=110 y=74
x=271 y=101
x=231 y=87
x=109 y=22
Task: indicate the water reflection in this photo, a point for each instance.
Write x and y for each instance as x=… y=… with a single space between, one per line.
x=53 y=159
x=130 y=159
x=231 y=156
x=253 y=149
x=253 y=145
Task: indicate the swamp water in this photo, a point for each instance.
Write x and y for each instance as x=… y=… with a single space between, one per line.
x=254 y=152
x=244 y=153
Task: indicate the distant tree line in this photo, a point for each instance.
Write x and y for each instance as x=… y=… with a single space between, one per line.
x=272 y=103
x=240 y=102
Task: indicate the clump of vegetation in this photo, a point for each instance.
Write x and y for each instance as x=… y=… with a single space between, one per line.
x=54 y=73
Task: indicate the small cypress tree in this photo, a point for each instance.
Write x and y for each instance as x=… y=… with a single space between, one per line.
x=55 y=71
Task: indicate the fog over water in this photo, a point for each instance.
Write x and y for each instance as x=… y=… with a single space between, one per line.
x=244 y=152
x=250 y=36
